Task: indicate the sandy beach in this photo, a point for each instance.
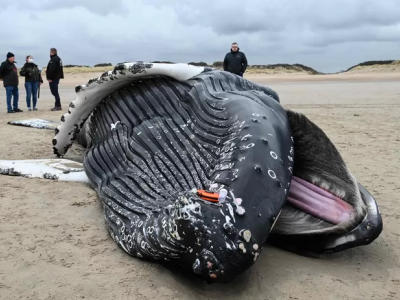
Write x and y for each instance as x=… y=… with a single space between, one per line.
x=55 y=245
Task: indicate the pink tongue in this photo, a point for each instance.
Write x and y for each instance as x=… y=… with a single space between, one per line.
x=318 y=202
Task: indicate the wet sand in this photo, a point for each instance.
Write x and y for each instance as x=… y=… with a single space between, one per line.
x=55 y=246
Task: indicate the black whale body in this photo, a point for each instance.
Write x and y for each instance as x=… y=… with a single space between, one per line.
x=155 y=141
x=172 y=137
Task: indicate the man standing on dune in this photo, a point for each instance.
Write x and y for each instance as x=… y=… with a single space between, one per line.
x=235 y=61
x=9 y=76
x=54 y=73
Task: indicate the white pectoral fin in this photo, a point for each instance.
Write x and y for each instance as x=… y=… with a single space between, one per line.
x=89 y=95
x=54 y=169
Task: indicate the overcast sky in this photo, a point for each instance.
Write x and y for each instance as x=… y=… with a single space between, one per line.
x=326 y=35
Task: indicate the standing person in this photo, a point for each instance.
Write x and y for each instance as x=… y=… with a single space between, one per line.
x=33 y=79
x=54 y=73
x=235 y=61
x=9 y=75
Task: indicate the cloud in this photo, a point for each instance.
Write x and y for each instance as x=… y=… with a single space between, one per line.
x=102 y=8
x=227 y=17
x=364 y=34
x=326 y=35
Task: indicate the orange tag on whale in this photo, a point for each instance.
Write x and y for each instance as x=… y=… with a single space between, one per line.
x=208 y=196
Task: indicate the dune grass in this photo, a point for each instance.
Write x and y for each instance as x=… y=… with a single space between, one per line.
x=368 y=66
x=259 y=69
x=77 y=70
x=376 y=66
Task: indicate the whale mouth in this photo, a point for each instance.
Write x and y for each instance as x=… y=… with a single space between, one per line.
x=327 y=209
x=324 y=197
x=319 y=202
x=317 y=242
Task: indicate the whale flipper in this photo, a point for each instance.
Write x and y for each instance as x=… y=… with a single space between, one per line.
x=54 y=169
x=35 y=123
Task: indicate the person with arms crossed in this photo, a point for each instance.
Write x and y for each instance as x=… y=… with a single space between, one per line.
x=55 y=72
x=9 y=76
x=235 y=61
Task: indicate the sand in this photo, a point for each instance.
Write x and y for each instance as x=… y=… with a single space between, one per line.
x=55 y=246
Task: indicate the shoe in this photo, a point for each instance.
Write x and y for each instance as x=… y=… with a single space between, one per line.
x=35 y=109
x=29 y=108
x=56 y=108
x=18 y=110
x=11 y=112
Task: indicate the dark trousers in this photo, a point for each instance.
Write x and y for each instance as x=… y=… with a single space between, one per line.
x=54 y=91
x=12 y=92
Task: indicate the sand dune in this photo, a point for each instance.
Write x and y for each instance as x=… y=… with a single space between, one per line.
x=394 y=67
x=273 y=69
x=55 y=245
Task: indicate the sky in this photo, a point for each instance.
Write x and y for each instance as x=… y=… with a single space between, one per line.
x=328 y=36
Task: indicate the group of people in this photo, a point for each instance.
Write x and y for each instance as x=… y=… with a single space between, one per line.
x=234 y=62
x=33 y=80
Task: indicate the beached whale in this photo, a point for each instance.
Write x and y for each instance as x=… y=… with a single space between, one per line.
x=200 y=167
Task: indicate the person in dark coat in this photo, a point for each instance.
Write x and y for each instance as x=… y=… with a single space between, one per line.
x=235 y=61
x=54 y=73
x=33 y=79
x=9 y=76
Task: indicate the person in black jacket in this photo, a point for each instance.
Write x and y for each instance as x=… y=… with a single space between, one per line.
x=54 y=73
x=235 y=61
x=9 y=75
x=33 y=79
